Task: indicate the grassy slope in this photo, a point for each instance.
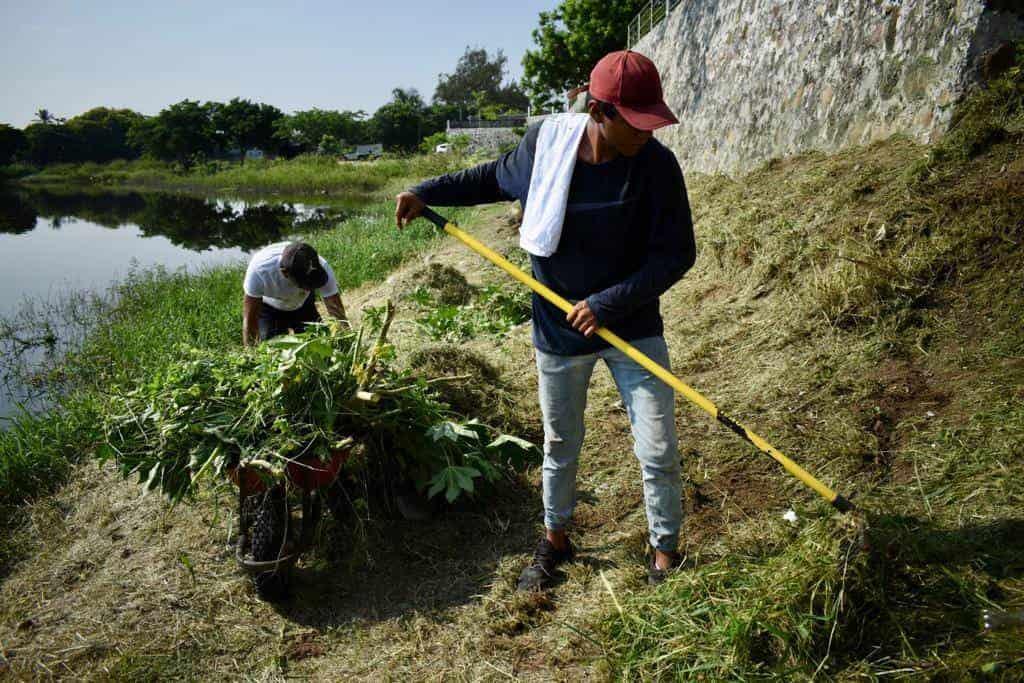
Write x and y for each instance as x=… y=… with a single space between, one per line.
x=864 y=309
x=861 y=311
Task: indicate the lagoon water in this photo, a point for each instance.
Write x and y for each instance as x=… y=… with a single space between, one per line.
x=57 y=245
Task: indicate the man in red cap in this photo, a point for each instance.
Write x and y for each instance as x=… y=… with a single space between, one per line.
x=626 y=237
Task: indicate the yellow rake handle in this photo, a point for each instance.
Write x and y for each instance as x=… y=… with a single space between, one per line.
x=836 y=500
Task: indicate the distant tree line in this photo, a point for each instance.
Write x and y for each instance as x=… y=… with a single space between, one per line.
x=190 y=131
x=568 y=42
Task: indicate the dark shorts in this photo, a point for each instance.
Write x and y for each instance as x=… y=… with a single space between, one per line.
x=274 y=322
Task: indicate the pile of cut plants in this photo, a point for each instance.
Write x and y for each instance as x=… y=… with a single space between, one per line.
x=327 y=399
x=450 y=309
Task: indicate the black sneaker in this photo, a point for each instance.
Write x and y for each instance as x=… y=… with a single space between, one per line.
x=655 y=576
x=539 y=573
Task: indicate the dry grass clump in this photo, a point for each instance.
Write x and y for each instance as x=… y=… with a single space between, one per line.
x=519 y=612
x=877 y=247
x=104 y=577
x=448 y=361
x=475 y=386
x=442 y=282
x=876 y=232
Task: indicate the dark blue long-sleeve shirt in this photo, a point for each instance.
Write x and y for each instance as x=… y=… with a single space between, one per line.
x=627 y=237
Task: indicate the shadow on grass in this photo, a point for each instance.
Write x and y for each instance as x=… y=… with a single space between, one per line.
x=929 y=584
x=996 y=548
x=389 y=566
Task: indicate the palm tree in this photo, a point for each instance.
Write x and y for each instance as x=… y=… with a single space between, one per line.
x=45 y=117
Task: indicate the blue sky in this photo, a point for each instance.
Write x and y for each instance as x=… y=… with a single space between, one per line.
x=71 y=56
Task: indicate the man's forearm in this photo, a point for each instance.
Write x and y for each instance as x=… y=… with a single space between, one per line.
x=643 y=286
x=476 y=185
x=251 y=307
x=335 y=308
x=250 y=332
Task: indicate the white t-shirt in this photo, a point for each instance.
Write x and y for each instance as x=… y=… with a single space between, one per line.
x=263 y=278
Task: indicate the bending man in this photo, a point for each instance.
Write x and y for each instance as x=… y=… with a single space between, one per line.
x=279 y=285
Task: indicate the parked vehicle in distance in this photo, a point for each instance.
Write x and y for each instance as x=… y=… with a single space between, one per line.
x=443 y=148
x=365 y=152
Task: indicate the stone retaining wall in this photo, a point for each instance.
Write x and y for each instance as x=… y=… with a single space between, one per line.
x=486 y=139
x=755 y=79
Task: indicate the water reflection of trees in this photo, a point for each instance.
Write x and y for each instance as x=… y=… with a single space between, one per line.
x=16 y=215
x=190 y=222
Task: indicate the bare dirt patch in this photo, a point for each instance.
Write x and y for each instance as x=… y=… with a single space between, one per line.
x=736 y=492
x=904 y=390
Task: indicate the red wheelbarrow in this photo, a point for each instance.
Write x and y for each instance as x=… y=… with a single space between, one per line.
x=270 y=538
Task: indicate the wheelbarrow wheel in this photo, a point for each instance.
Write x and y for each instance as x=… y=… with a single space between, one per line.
x=268 y=538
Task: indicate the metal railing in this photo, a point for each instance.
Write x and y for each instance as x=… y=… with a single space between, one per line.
x=647 y=18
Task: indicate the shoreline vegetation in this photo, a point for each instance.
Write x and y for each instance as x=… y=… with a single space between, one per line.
x=308 y=176
x=862 y=309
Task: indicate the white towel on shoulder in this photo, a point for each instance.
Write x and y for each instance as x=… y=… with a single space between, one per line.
x=553 y=163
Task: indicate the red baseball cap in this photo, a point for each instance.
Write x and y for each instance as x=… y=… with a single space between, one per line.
x=631 y=82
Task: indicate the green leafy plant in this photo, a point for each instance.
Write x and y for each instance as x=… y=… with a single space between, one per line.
x=471 y=453
x=495 y=311
x=293 y=398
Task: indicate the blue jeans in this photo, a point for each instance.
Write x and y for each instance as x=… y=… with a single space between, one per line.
x=650 y=403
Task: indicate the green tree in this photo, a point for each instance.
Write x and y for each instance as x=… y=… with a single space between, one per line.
x=49 y=143
x=12 y=143
x=329 y=145
x=181 y=132
x=101 y=134
x=511 y=98
x=478 y=75
x=304 y=130
x=437 y=116
x=399 y=124
x=243 y=125
x=46 y=117
x=570 y=40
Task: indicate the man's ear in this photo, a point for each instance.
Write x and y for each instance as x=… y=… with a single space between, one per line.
x=594 y=109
